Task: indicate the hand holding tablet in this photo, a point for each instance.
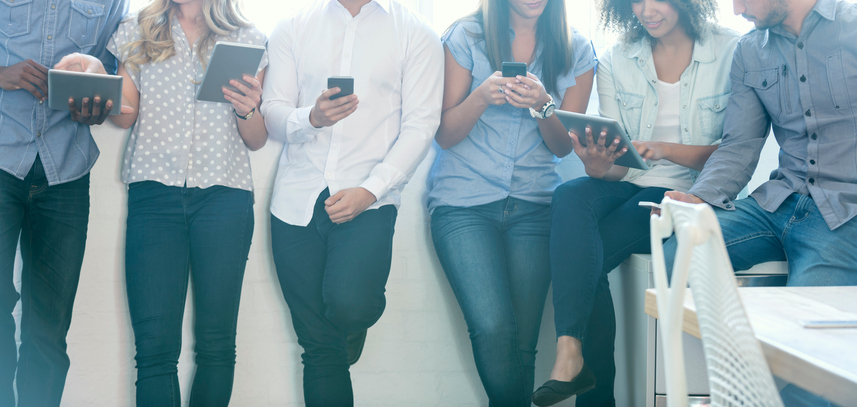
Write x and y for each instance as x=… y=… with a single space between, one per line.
x=606 y=132
x=229 y=61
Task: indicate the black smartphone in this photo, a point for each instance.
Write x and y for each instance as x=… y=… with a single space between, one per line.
x=344 y=83
x=513 y=69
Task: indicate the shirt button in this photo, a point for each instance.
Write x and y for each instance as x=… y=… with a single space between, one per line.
x=656 y=103
x=813 y=136
x=726 y=201
x=728 y=206
x=717 y=107
x=812 y=162
x=808 y=113
x=624 y=104
x=41 y=102
x=88 y=11
x=812 y=180
x=649 y=126
x=803 y=78
x=765 y=82
x=685 y=129
x=53 y=6
x=800 y=45
x=50 y=37
x=684 y=107
x=654 y=81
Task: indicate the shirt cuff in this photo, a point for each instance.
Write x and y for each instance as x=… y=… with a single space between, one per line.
x=301 y=117
x=376 y=186
x=712 y=197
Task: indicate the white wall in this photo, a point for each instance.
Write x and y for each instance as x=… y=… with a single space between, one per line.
x=417 y=355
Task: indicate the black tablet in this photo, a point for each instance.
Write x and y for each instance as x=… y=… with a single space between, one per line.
x=63 y=85
x=229 y=61
x=579 y=122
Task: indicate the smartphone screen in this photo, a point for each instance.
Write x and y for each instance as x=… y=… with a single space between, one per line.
x=345 y=83
x=513 y=69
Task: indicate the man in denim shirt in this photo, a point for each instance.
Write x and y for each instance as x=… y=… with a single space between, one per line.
x=798 y=72
x=45 y=159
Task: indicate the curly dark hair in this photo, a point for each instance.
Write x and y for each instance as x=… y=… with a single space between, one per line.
x=698 y=17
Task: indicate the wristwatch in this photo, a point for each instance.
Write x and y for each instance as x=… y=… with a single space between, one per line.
x=249 y=115
x=546 y=110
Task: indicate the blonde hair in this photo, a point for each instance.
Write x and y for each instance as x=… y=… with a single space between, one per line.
x=156 y=42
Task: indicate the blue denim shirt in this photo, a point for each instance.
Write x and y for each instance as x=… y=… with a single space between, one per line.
x=806 y=87
x=45 y=31
x=504 y=155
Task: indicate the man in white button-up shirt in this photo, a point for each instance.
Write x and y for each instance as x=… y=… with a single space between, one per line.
x=343 y=168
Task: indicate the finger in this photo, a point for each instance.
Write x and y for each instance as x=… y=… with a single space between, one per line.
x=39 y=67
x=590 y=143
x=37 y=82
x=235 y=97
x=84 y=109
x=75 y=115
x=575 y=141
x=497 y=74
x=615 y=156
x=96 y=111
x=602 y=138
x=342 y=109
x=29 y=69
x=525 y=80
x=676 y=196
x=240 y=86
x=515 y=103
x=328 y=105
x=102 y=116
x=334 y=198
x=29 y=87
x=328 y=93
x=254 y=83
x=344 y=114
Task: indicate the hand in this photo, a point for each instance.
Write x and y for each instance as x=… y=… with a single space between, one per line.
x=526 y=92
x=489 y=90
x=247 y=98
x=346 y=204
x=597 y=159
x=78 y=62
x=98 y=113
x=652 y=150
x=28 y=75
x=328 y=112
x=679 y=196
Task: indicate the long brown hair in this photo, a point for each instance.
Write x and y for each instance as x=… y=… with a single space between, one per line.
x=552 y=32
x=156 y=42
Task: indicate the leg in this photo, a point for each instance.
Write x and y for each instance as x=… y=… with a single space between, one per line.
x=471 y=251
x=526 y=243
x=625 y=231
x=156 y=275
x=752 y=235
x=300 y=255
x=13 y=201
x=577 y=258
x=53 y=238
x=221 y=227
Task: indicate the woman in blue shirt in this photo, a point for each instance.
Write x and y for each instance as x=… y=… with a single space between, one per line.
x=490 y=187
x=667 y=83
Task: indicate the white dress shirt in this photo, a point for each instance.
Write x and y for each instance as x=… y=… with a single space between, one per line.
x=396 y=60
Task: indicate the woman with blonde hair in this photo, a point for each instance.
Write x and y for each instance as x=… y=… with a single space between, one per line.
x=190 y=199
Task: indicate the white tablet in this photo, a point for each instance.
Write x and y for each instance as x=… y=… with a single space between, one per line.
x=63 y=85
x=579 y=122
x=228 y=61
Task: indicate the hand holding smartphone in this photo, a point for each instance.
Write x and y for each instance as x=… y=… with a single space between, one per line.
x=344 y=83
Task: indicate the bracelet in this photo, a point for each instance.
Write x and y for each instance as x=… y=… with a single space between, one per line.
x=248 y=116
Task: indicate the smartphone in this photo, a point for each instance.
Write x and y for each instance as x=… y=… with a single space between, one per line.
x=647 y=204
x=829 y=324
x=344 y=83
x=513 y=69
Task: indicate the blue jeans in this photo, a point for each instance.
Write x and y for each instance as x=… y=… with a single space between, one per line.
x=174 y=233
x=595 y=226
x=333 y=279
x=496 y=259
x=795 y=232
x=51 y=222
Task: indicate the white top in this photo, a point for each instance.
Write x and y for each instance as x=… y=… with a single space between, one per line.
x=667 y=129
x=178 y=140
x=396 y=60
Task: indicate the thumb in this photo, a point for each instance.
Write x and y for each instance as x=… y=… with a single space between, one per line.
x=334 y=198
x=125 y=109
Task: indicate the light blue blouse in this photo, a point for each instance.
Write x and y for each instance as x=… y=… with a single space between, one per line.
x=504 y=155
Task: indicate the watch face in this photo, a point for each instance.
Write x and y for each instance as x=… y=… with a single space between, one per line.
x=549 y=110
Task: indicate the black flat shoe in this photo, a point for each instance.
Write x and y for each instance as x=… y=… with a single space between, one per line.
x=356 y=340
x=554 y=391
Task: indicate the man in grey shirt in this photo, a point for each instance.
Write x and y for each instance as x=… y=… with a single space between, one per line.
x=797 y=72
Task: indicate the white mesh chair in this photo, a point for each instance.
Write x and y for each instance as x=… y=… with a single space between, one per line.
x=737 y=371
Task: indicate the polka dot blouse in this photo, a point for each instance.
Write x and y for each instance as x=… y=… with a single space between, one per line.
x=177 y=139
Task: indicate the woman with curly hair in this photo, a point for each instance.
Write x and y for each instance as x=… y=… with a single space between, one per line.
x=667 y=83
x=190 y=199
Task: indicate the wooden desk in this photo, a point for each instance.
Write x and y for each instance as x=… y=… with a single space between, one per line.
x=823 y=361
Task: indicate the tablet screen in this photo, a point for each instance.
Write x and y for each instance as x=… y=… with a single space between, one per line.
x=63 y=85
x=228 y=61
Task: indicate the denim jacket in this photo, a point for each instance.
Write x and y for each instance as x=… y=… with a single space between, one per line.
x=627 y=91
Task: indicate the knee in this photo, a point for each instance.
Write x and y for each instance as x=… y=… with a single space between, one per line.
x=215 y=352
x=493 y=328
x=573 y=193
x=355 y=312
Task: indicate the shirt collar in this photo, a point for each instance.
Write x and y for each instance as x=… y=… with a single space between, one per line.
x=703 y=52
x=825 y=8
x=385 y=4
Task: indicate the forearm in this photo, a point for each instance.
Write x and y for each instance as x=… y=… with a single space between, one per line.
x=693 y=157
x=457 y=122
x=555 y=136
x=253 y=132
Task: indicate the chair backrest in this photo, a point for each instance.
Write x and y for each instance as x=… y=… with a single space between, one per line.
x=737 y=371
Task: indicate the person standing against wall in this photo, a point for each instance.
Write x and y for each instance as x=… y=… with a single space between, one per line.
x=490 y=186
x=45 y=157
x=343 y=168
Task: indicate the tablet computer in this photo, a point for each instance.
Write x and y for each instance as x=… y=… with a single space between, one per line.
x=228 y=61
x=579 y=122
x=63 y=85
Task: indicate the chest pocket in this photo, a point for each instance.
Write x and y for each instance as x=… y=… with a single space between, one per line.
x=838 y=84
x=83 y=23
x=15 y=17
x=631 y=111
x=766 y=85
x=712 y=112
